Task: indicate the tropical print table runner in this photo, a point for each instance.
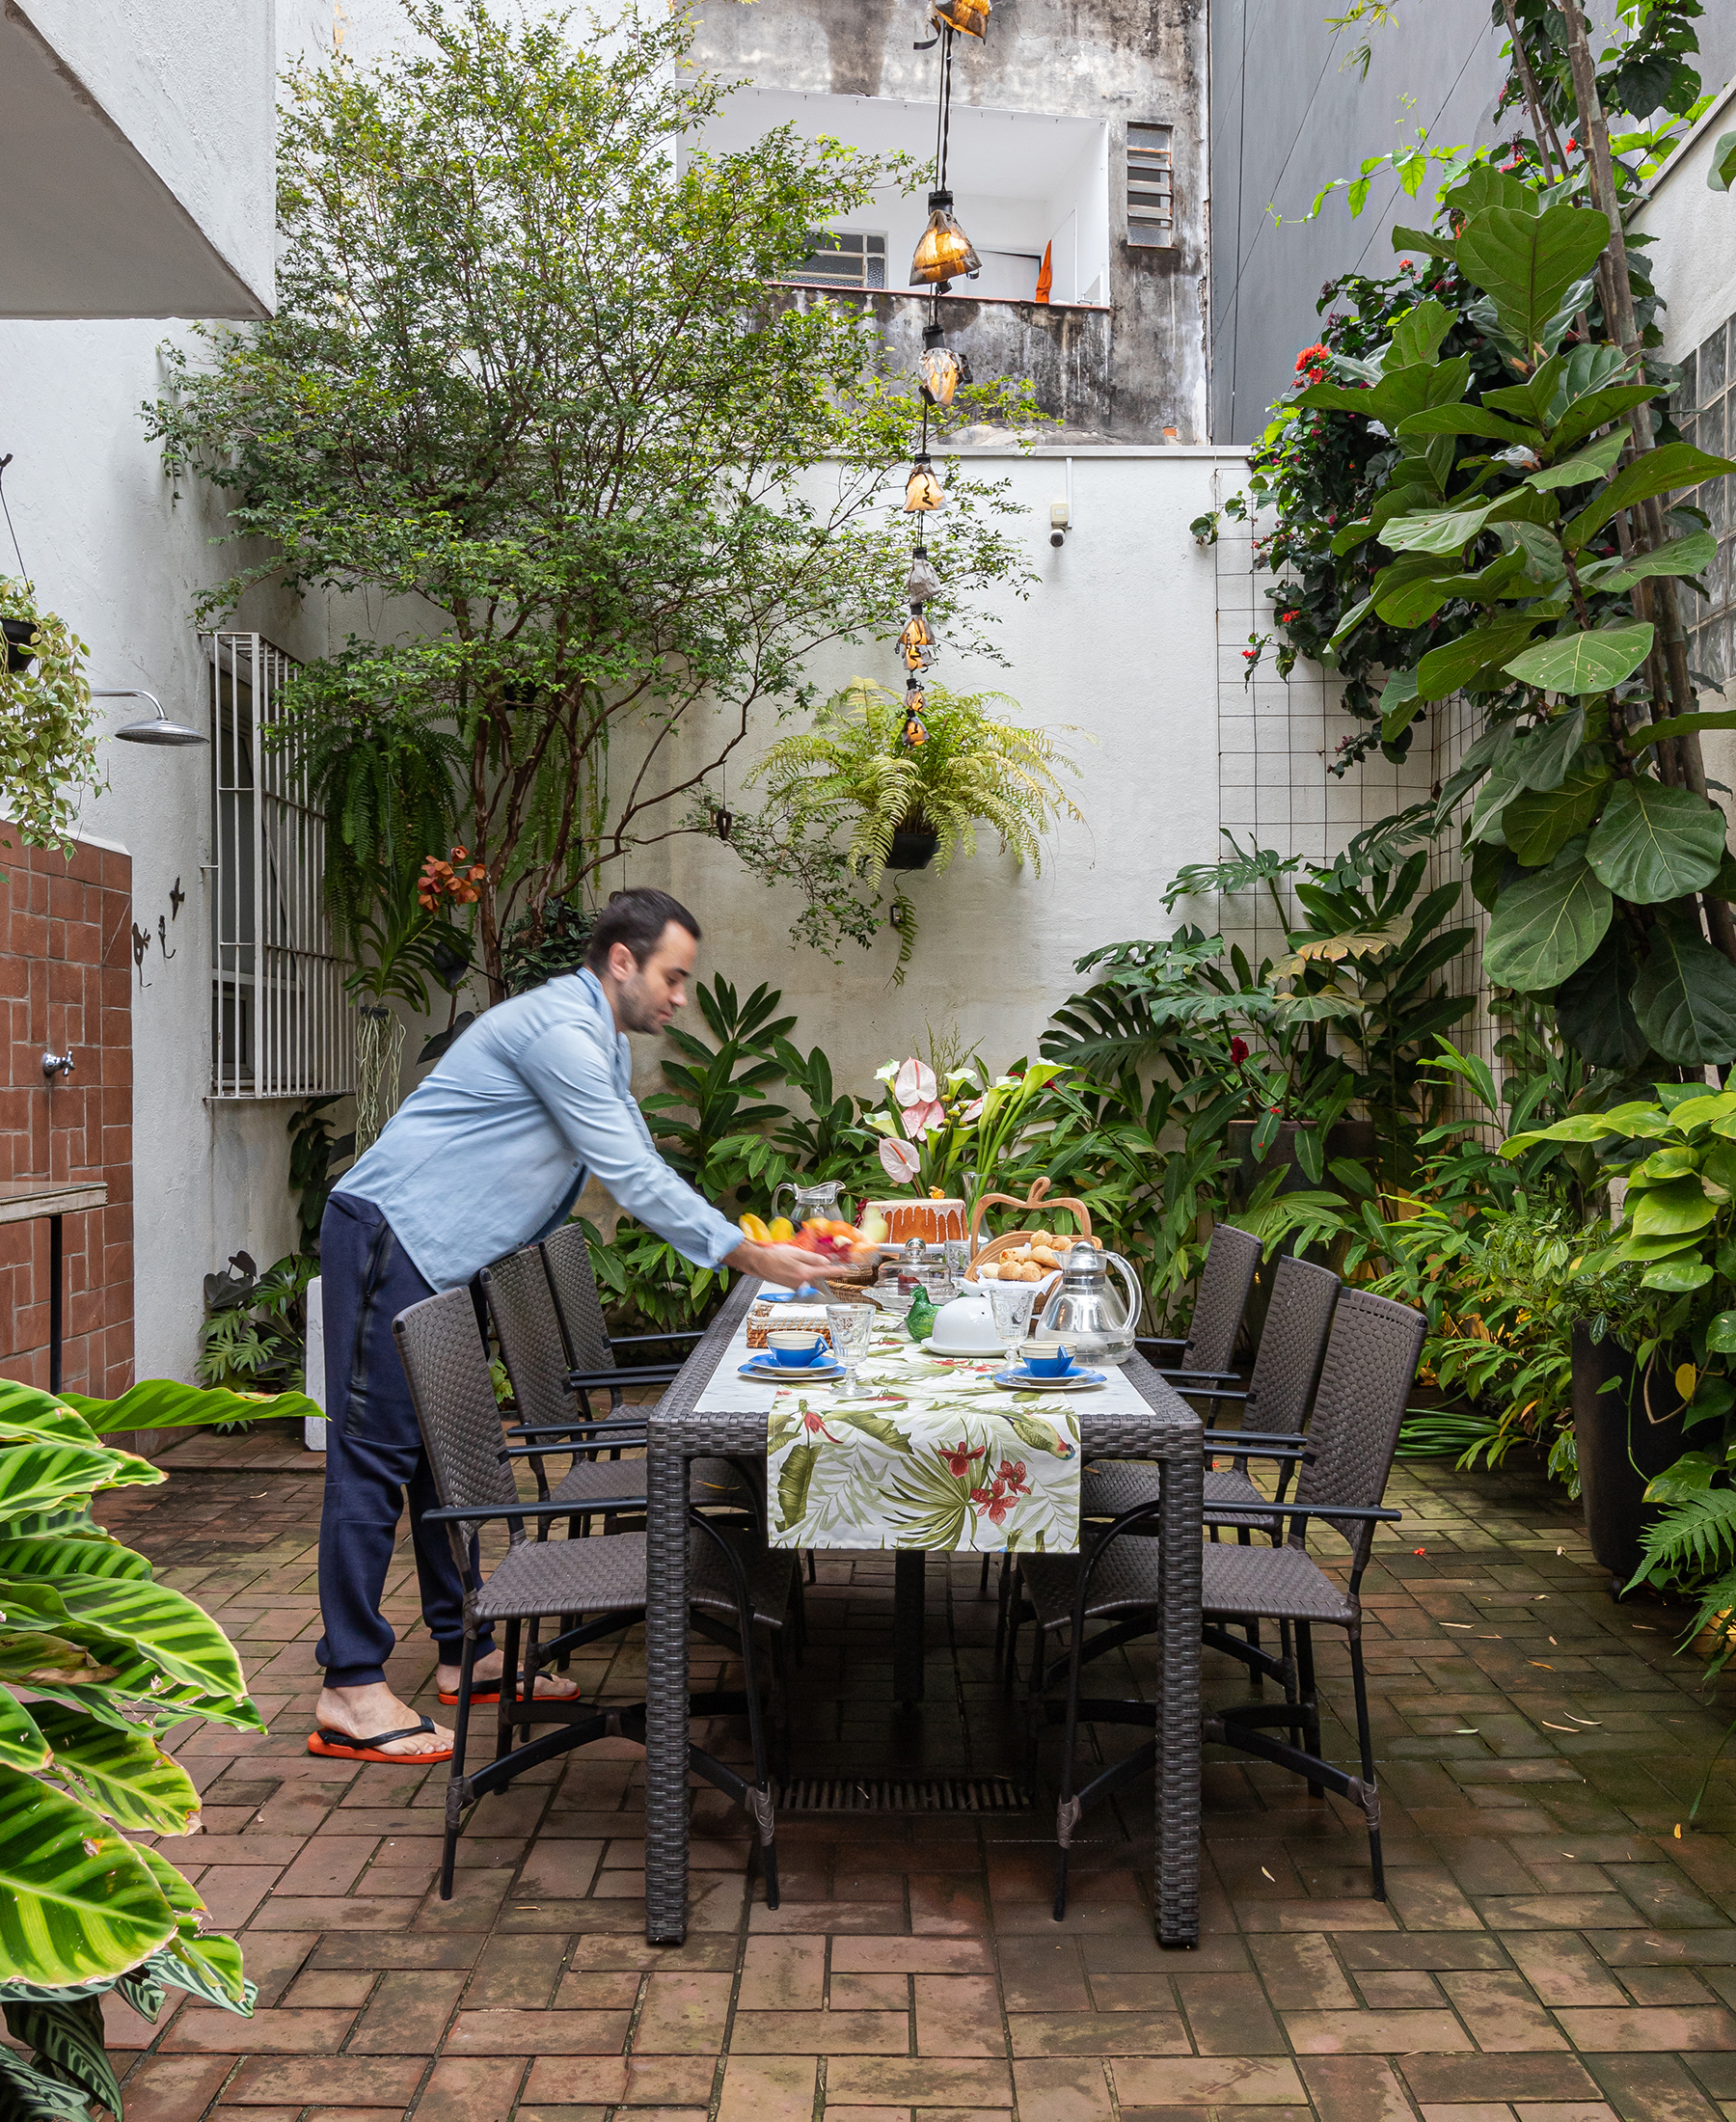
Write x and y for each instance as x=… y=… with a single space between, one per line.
x=927 y=1452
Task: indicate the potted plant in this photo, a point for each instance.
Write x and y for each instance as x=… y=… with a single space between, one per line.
x=1671 y=1367
x=47 y=743
x=873 y=791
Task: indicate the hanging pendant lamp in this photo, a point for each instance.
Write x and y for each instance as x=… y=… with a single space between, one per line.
x=940 y=370
x=923 y=491
x=917 y=643
x=969 y=17
x=923 y=584
x=944 y=252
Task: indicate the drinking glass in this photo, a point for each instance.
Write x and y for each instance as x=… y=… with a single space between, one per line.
x=1012 y=1303
x=957 y=1253
x=851 y=1326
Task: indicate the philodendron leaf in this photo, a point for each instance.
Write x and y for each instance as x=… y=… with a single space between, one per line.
x=1654 y=844
x=1538 y=824
x=1584 y=663
x=1657 y=472
x=1594 y=1008
x=125 y=1774
x=1541 y=756
x=1525 y=262
x=76 y=1899
x=1685 y=997
x=1547 y=925
x=1670 y=1211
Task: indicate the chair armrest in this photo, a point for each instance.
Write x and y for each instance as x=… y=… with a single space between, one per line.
x=480 y=1512
x=1358 y=1513
x=600 y=1381
x=1253 y=1443
x=1233 y=1450
x=546 y=1450
x=1142 y=1341
x=619 y=1431
x=1207 y=1379
x=636 y=1341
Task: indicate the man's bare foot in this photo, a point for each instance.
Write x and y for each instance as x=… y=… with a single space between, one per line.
x=550 y=1686
x=359 y=1712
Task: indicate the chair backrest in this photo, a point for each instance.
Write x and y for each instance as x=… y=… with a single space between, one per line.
x=1371 y=1365
x=567 y=1257
x=528 y=1327
x=455 y=1406
x=1292 y=1344
x=1217 y=1313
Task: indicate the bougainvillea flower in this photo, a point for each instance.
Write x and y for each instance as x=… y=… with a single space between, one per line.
x=915 y=1083
x=899 y=1160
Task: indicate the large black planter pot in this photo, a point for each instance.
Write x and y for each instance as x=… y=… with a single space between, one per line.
x=18 y=654
x=912 y=849
x=1354 y=1138
x=1622 y=1439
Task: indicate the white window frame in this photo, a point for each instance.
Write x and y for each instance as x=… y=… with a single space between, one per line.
x=282 y=1025
x=863 y=255
x=1151 y=187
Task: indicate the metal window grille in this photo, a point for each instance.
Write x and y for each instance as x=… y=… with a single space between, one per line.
x=281 y=1023
x=1150 y=184
x=845 y=259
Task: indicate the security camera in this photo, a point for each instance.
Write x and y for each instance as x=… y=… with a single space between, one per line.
x=1060 y=520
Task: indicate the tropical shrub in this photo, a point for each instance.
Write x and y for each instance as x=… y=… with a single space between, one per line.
x=97 y=1662
x=255 y=1332
x=47 y=740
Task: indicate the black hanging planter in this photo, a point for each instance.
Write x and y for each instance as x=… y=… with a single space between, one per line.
x=19 y=655
x=913 y=846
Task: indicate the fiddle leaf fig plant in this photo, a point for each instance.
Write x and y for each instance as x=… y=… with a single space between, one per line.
x=47 y=743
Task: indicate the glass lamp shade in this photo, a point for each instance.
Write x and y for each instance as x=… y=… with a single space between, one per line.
x=924 y=584
x=940 y=375
x=923 y=491
x=914 y=734
x=917 y=641
x=944 y=251
x=969 y=17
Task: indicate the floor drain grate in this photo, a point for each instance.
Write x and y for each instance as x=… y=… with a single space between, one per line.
x=886 y=1794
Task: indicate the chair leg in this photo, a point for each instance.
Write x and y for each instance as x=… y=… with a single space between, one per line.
x=813 y=1570
x=1308 y=1701
x=448 y=1856
x=1366 y=1741
x=509 y=1672
x=1004 y=1594
x=1070 y=1734
x=762 y=1775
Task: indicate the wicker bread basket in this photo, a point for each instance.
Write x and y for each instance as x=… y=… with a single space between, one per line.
x=1010 y=1242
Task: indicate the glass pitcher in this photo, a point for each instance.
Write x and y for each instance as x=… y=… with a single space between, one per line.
x=816 y=1201
x=1086 y=1315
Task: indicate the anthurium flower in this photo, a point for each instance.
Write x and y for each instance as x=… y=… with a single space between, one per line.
x=919 y=1120
x=915 y=1083
x=974 y=1110
x=899 y=1160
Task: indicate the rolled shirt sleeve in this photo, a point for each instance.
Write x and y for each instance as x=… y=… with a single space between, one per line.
x=570 y=1076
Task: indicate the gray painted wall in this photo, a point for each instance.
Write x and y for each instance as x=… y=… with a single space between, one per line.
x=1108 y=60
x=1286 y=117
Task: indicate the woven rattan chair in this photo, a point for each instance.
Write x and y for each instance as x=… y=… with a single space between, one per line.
x=1369 y=1366
x=603 y=1578
x=1275 y=1406
x=593 y=1354
x=1209 y=1349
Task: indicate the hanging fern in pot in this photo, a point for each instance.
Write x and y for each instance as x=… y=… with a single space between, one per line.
x=852 y=798
x=47 y=743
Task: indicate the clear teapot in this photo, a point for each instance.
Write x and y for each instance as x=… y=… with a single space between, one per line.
x=816 y=1202
x=1086 y=1315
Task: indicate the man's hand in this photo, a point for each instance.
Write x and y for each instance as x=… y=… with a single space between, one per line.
x=789 y=1266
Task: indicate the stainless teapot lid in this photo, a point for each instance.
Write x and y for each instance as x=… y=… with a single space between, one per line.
x=1084 y=1261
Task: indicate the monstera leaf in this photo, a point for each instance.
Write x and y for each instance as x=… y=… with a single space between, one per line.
x=75 y=1899
x=1525 y=262
x=1547 y=925
x=1654 y=843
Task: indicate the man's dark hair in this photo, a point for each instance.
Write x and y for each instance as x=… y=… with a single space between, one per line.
x=637 y=918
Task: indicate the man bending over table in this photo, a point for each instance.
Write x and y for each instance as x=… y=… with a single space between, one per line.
x=488 y=1153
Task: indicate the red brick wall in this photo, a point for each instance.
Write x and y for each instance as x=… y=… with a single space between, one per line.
x=66 y=977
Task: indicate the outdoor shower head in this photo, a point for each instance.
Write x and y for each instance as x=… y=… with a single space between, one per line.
x=152 y=730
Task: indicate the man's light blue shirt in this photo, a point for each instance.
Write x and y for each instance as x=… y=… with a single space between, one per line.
x=492 y=1150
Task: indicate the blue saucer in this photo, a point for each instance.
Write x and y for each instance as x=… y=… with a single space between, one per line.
x=791 y=1374
x=1020 y=1380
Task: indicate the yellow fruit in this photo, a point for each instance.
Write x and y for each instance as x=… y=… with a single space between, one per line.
x=752 y=1229
x=781 y=1230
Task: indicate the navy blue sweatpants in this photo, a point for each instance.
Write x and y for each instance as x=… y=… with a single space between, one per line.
x=373 y=1452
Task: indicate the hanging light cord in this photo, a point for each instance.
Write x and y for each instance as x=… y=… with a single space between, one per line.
x=23 y=571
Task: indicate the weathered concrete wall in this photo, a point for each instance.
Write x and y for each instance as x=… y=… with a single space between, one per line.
x=1115 y=62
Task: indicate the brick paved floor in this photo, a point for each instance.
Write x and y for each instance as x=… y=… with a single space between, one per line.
x=1552 y=1951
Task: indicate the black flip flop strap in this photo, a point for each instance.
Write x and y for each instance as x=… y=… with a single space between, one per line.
x=380 y=1738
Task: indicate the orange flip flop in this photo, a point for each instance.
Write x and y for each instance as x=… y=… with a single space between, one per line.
x=492 y=1693
x=338 y=1746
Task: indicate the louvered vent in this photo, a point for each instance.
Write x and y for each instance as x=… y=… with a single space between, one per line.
x=1150 y=185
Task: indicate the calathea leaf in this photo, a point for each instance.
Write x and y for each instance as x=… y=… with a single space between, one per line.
x=77 y=1900
x=125 y=1774
x=208 y=1968
x=1525 y=262
x=55 y=1556
x=1654 y=844
x=1547 y=925
x=27 y=1413
x=1584 y=663
x=37 y=1477
x=1537 y=824
x=162 y=1623
x=143 y=1991
x=1456 y=666
x=1657 y=472
x=1685 y=995
x=1590 y=464
x=1542 y=755
x=21 y=1741
x=1594 y=1007
x=28 y=2095
x=69 y=2035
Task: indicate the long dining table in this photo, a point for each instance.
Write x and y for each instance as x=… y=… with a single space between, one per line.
x=705 y=1414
